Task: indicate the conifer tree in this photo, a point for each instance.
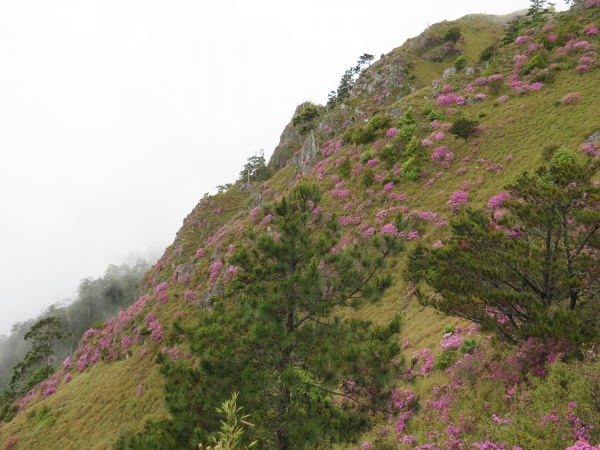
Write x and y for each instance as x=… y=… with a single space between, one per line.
x=307 y=376
x=527 y=265
x=43 y=335
x=463 y=127
x=255 y=168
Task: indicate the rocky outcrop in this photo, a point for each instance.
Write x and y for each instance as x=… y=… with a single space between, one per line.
x=308 y=152
x=387 y=74
x=289 y=143
x=595 y=137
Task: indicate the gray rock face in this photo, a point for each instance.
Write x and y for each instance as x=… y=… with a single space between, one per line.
x=386 y=74
x=396 y=113
x=309 y=151
x=449 y=72
x=593 y=138
x=469 y=70
x=289 y=142
x=206 y=301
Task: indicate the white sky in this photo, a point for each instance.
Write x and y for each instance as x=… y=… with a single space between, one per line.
x=116 y=116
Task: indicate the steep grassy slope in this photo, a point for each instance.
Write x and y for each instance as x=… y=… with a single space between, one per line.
x=105 y=399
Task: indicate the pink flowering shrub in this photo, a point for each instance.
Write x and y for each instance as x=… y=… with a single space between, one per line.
x=230 y=274
x=592 y=3
x=503 y=98
x=480 y=97
x=157 y=332
x=519 y=62
x=572 y=98
x=214 y=269
x=535 y=86
x=481 y=81
x=340 y=194
x=392 y=132
x=522 y=39
x=389 y=229
x=426 y=142
x=126 y=342
x=590 y=149
x=497 y=200
x=530 y=357
x=590 y=30
x=457 y=200
x=348 y=220
x=372 y=162
x=160 y=288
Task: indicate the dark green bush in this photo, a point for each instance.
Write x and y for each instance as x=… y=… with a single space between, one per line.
x=460 y=63
x=539 y=61
x=368 y=177
x=489 y=52
x=389 y=155
x=377 y=122
x=309 y=113
x=412 y=146
x=452 y=34
x=408 y=118
x=445 y=359
x=345 y=169
x=358 y=135
x=410 y=169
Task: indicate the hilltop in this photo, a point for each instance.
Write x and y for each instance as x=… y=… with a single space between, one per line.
x=382 y=145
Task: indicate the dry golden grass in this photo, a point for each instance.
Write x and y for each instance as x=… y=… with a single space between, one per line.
x=94 y=407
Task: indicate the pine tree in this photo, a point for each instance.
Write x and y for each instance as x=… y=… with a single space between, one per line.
x=306 y=375
x=463 y=127
x=255 y=168
x=532 y=268
x=44 y=334
x=537 y=7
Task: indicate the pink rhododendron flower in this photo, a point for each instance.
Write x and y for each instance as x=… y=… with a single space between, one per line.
x=389 y=229
x=572 y=98
x=214 y=269
x=161 y=287
x=392 y=132
x=522 y=39
x=503 y=98
x=457 y=200
x=497 y=200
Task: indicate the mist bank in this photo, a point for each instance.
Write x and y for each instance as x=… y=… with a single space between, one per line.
x=97 y=300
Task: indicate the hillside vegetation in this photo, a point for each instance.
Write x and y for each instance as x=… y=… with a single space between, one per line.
x=400 y=138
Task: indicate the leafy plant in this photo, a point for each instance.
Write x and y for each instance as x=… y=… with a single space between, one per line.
x=464 y=128
x=452 y=34
x=539 y=278
x=489 y=52
x=232 y=432
x=410 y=169
x=307 y=375
x=460 y=63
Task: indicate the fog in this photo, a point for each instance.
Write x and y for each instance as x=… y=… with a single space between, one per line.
x=117 y=116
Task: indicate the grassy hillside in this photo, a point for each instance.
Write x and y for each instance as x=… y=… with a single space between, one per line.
x=115 y=392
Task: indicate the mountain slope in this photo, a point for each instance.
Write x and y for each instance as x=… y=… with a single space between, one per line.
x=104 y=400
